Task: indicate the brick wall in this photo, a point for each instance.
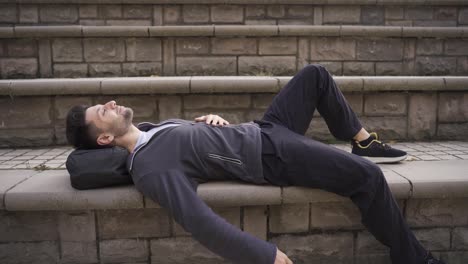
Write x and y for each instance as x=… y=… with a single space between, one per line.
x=326 y=232
x=156 y=15
x=128 y=56
x=40 y=120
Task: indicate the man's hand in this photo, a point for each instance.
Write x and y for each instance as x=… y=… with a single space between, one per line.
x=281 y=258
x=214 y=120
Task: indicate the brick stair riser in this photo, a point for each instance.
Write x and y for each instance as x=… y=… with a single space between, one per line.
x=389 y=13
x=40 y=120
x=328 y=232
x=75 y=57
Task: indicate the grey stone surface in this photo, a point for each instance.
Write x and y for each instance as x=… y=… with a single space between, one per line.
x=142 y=49
x=169 y=107
x=193 y=45
x=455 y=257
x=123 y=250
x=206 y=66
x=334 y=215
x=88 y=11
x=372 y=15
x=456 y=47
x=358 y=68
x=113 y=224
x=37 y=253
x=195 y=13
x=105 y=70
x=73 y=70
x=267 y=65
x=389 y=68
x=45 y=58
x=216 y=101
x=142 y=69
x=77 y=235
x=255 y=221
x=136 y=11
x=423 y=13
x=422 y=116
x=427 y=181
x=51 y=190
x=277 y=46
x=9 y=13
x=445 y=212
x=169 y=63
x=228 y=46
x=435 y=65
x=434 y=238
x=24 y=112
x=172 y=14
x=233 y=84
x=104 y=50
x=26 y=138
x=463 y=16
x=110 y=11
x=18 y=68
x=181 y=250
x=227 y=14
x=67 y=50
x=21 y=48
x=28 y=226
x=428 y=46
x=380 y=50
x=388 y=128
x=452 y=131
x=336 y=248
x=276 y=11
x=332 y=49
x=290 y=218
x=460 y=238
x=385 y=104
x=341 y=14
x=453 y=107
x=9 y=179
x=58 y=13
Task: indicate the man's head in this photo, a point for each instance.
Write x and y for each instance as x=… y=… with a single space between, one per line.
x=97 y=126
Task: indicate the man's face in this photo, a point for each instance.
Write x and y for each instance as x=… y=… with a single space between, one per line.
x=110 y=118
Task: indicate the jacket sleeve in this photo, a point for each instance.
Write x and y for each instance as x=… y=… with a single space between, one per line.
x=173 y=191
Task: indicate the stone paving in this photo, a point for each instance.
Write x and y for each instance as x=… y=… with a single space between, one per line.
x=55 y=157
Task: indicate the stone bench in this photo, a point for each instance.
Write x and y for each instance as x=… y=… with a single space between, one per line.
x=41 y=213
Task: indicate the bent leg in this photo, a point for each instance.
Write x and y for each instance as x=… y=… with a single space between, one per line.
x=300 y=161
x=313 y=88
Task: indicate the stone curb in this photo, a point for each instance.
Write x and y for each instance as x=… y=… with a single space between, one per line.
x=268 y=2
x=218 y=84
x=234 y=30
x=51 y=190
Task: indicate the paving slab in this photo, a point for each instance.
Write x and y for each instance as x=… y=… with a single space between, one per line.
x=435 y=179
x=10 y=178
x=52 y=190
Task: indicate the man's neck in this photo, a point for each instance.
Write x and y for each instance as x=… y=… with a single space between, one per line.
x=130 y=139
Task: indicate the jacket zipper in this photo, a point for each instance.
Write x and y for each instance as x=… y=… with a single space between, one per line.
x=223 y=158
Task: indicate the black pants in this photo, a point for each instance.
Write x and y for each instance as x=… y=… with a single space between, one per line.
x=290 y=158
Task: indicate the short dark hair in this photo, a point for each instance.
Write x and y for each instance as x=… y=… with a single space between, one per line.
x=80 y=134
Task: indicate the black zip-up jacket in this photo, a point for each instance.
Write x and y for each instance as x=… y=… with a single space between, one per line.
x=168 y=167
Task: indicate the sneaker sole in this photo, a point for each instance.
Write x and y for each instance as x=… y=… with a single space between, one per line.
x=385 y=160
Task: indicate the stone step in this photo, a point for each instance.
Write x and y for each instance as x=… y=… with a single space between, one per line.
x=401 y=108
x=190 y=12
x=88 y=51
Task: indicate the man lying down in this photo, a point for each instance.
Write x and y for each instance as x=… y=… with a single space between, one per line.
x=166 y=159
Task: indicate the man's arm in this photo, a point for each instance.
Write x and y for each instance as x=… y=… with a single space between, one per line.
x=173 y=191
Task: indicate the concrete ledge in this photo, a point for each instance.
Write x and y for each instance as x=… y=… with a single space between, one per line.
x=267 y=2
x=234 y=30
x=23 y=190
x=218 y=84
x=51 y=190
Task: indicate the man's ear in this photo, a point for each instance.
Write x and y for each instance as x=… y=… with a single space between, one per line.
x=105 y=139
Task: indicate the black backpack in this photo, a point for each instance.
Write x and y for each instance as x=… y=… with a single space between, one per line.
x=97 y=168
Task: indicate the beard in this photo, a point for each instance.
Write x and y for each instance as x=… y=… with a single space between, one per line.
x=121 y=127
